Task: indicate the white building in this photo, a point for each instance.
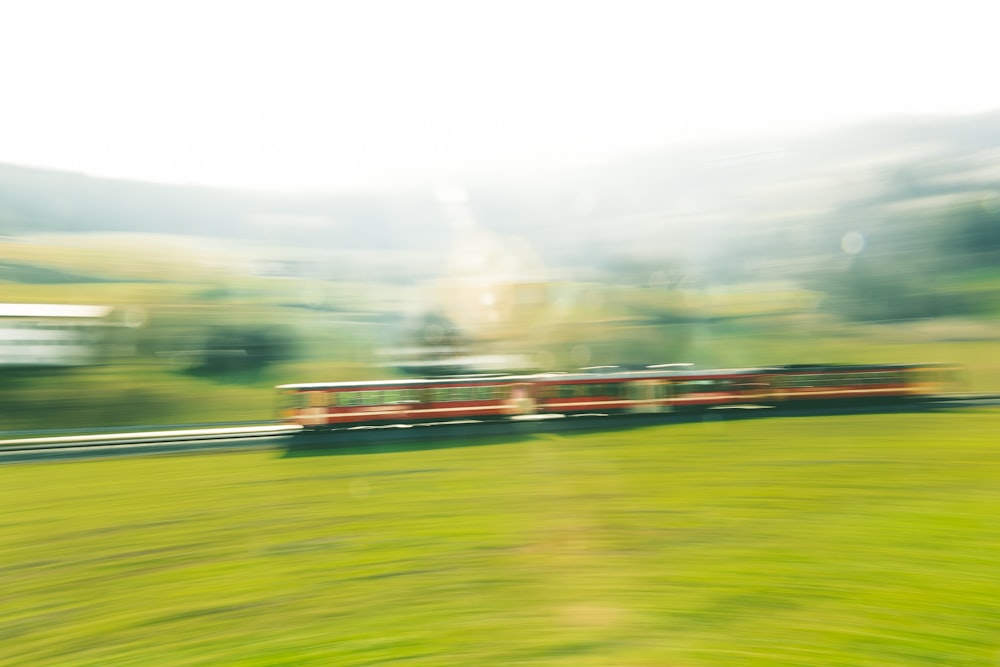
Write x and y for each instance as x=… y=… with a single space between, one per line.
x=51 y=335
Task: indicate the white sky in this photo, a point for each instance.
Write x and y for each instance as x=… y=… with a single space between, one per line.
x=296 y=94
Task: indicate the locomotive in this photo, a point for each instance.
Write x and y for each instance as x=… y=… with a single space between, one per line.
x=327 y=405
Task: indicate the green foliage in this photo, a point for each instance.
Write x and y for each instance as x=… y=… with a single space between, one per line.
x=231 y=349
x=879 y=290
x=859 y=540
x=974 y=233
x=109 y=396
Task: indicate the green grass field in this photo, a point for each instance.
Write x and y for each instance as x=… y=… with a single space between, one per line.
x=853 y=540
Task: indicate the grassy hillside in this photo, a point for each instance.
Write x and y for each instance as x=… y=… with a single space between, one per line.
x=858 y=540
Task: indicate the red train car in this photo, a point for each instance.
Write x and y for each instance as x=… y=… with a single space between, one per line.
x=855 y=383
x=646 y=391
x=699 y=390
x=582 y=393
x=341 y=404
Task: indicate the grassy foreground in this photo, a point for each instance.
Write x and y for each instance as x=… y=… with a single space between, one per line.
x=855 y=540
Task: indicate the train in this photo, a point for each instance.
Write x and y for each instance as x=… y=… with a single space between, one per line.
x=655 y=389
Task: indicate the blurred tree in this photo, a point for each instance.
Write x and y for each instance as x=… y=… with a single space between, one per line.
x=974 y=233
x=233 y=349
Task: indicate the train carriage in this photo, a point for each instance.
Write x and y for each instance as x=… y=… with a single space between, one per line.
x=646 y=391
x=602 y=393
x=699 y=390
x=343 y=404
x=855 y=383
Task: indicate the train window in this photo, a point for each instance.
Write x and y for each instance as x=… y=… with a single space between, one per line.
x=567 y=391
x=440 y=395
x=691 y=386
x=295 y=399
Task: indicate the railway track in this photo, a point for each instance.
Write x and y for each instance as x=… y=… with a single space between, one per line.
x=276 y=436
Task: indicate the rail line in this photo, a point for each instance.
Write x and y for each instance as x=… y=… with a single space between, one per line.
x=272 y=436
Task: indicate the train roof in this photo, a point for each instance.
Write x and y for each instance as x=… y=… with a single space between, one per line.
x=536 y=377
x=604 y=377
x=848 y=368
x=405 y=382
x=650 y=373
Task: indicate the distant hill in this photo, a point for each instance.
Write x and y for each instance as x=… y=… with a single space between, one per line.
x=772 y=199
x=44 y=201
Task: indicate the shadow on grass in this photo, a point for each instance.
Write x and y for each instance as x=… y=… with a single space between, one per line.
x=329 y=444
x=831 y=408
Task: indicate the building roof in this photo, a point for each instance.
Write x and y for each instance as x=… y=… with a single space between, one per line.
x=52 y=310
